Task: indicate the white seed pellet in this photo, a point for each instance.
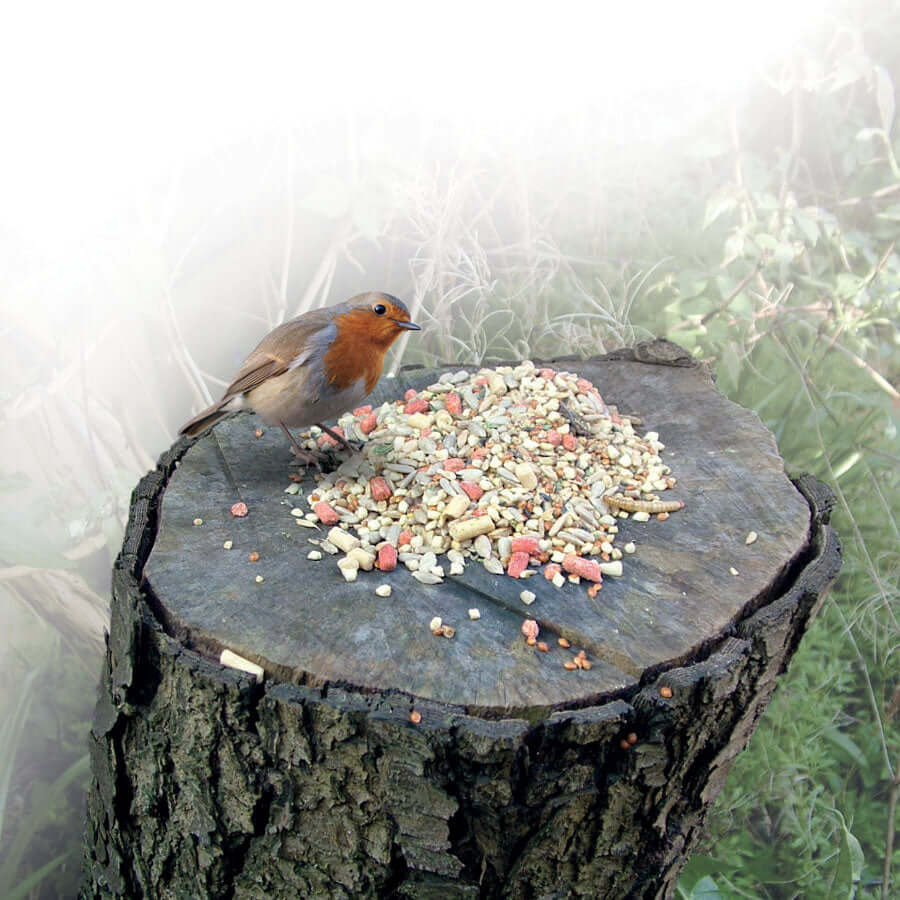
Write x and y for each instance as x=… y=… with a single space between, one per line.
x=427 y=577
x=259 y=579
x=435 y=623
x=198 y=521
x=383 y=590
x=228 y=545
x=527 y=597
x=751 y=537
x=733 y=570
x=314 y=554
x=629 y=547
x=474 y=613
x=613 y=568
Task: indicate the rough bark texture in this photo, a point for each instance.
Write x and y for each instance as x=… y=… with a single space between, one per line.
x=208 y=785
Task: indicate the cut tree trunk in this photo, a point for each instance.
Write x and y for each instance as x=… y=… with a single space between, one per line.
x=522 y=778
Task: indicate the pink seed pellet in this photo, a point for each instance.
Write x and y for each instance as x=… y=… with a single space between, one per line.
x=584 y=386
x=547 y=373
x=416 y=405
x=453 y=403
x=551 y=571
x=361 y=411
x=239 y=510
x=405 y=537
x=471 y=490
x=387 y=558
x=326 y=513
x=326 y=440
x=368 y=423
x=554 y=438
x=527 y=545
x=530 y=629
x=518 y=563
x=454 y=464
x=583 y=568
x=569 y=441
x=410 y=394
x=379 y=487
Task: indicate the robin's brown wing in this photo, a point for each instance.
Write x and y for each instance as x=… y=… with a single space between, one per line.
x=289 y=345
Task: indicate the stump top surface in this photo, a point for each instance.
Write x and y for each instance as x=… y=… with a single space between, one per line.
x=306 y=623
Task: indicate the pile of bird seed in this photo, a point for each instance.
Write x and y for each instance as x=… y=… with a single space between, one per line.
x=516 y=468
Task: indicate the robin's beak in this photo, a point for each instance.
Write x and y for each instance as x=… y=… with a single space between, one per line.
x=409 y=326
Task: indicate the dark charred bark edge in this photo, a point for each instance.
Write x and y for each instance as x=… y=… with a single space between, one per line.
x=458 y=805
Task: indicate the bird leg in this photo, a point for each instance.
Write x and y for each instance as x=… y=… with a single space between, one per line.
x=304 y=456
x=339 y=438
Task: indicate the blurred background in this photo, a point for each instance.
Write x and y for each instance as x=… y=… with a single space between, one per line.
x=175 y=181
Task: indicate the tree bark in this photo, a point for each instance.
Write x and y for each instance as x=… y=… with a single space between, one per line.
x=313 y=784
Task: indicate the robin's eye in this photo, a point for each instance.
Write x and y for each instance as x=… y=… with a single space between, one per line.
x=379 y=309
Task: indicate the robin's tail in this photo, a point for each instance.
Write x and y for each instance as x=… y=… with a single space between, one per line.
x=204 y=420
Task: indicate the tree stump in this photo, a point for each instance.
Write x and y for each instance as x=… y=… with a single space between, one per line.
x=522 y=779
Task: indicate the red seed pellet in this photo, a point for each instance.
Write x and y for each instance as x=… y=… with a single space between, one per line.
x=379 y=487
x=239 y=510
x=387 y=558
x=326 y=513
x=471 y=490
x=518 y=563
x=583 y=568
x=527 y=545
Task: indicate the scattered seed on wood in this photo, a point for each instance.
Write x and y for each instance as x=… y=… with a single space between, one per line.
x=666 y=692
x=435 y=624
x=448 y=631
x=624 y=744
x=314 y=555
x=383 y=590
x=733 y=570
x=751 y=537
x=415 y=716
x=530 y=628
x=198 y=521
x=239 y=509
x=542 y=646
x=568 y=664
x=253 y=557
x=563 y=643
x=632 y=738
x=474 y=614
x=259 y=579
x=527 y=597
x=228 y=545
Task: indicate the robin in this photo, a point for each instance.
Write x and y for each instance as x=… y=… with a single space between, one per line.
x=314 y=367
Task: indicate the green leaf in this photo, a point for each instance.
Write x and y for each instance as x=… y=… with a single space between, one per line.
x=722 y=201
x=705 y=889
x=807 y=225
x=849 y=865
x=841 y=740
